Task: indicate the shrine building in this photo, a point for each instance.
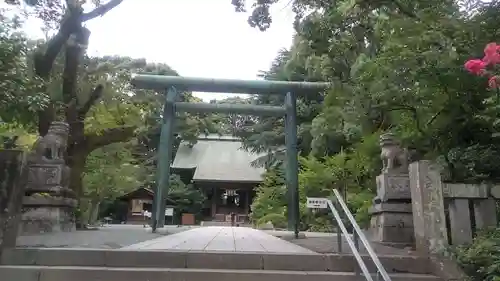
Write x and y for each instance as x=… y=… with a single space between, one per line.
x=222 y=169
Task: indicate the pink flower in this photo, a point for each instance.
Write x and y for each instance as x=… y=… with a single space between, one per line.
x=494 y=82
x=491 y=54
x=475 y=66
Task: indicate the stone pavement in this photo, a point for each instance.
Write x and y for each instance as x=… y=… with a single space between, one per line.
x=117 y=236
x=217 y=238
x=107 y=237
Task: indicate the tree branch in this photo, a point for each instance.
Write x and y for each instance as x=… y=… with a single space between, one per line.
x=45 y=117
x=435 y=116
x=101 y=10
x=109 y=136
x=94 y=96
x=70 y=24
x=414 y=113
x=69 y=83
x=45 y=60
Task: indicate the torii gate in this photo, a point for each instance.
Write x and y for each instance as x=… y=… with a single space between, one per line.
x=173 y=85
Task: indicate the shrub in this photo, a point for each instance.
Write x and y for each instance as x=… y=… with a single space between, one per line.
x=481 y=259
x=278 y=220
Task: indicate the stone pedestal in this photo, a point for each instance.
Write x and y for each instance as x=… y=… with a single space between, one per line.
x=392 y=223
x=48 y=203
x=47 y=219
x=47 y=206
x=392 y=220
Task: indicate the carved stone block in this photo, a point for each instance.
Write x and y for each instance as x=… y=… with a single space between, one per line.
x=395 y=208
x=393 y=187
x=45 y=174
x=388 y=227
x=49 y=201
x=47 y=219
x=495 y=191
x=463 y=190
x=485 y=213
x=428 y=208
x=460 y=222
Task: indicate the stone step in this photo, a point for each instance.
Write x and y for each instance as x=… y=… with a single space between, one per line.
x=208 y=260
x=68 y=273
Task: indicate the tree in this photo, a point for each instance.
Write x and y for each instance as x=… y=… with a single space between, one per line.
x=231 y=124
x=270 y=202
x=267 y=134
x=20 y=97
x=395 y=66
x=81 y=88
x=186 y=198
x=109 y=173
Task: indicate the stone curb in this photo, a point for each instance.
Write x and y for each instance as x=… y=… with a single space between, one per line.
x=37 y=273
x=208 y=260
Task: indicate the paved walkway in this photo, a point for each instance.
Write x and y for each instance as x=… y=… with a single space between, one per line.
x=216 y=238
x=108 y=237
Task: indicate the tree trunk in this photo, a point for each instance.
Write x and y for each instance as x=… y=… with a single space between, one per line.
x=93 y=212
x=76 y=162
x=76 y=175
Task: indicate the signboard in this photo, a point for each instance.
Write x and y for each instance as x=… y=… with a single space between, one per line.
x=317 y=203
x=169 y=212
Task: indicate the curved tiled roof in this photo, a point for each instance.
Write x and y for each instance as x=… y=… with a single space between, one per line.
x=218 y=159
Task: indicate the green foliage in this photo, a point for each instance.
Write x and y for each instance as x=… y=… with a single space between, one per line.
x=21 y=95
x=17 y=135
x=109 y=173
x=278 y=220
x=481 y=259
x=230 y=124
x=186 y=198
x=351 y=171
x=395 y=66
x=270 y=199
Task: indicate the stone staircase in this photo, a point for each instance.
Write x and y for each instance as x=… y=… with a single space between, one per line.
x=32 y=264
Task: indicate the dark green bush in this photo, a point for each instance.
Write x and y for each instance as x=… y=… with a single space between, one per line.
x=278 y=220
x=481 y=259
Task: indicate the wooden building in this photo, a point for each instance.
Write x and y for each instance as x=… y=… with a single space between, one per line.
x=223 y=171
x=138 y=201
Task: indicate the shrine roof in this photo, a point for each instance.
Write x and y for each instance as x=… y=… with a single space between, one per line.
x=218 y=158
x=141 y=193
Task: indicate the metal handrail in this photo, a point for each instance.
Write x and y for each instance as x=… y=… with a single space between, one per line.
x=357 y=233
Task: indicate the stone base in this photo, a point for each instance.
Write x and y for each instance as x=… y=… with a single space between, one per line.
x=403 y=246
x=47 y=219
x=393 y=187
x=392 y=223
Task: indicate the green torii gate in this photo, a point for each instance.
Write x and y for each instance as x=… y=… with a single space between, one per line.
x=175 y=84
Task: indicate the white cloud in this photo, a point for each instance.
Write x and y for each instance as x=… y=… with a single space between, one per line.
x=197 y=38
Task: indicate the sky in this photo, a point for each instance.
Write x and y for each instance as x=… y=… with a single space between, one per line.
x=197 y=38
